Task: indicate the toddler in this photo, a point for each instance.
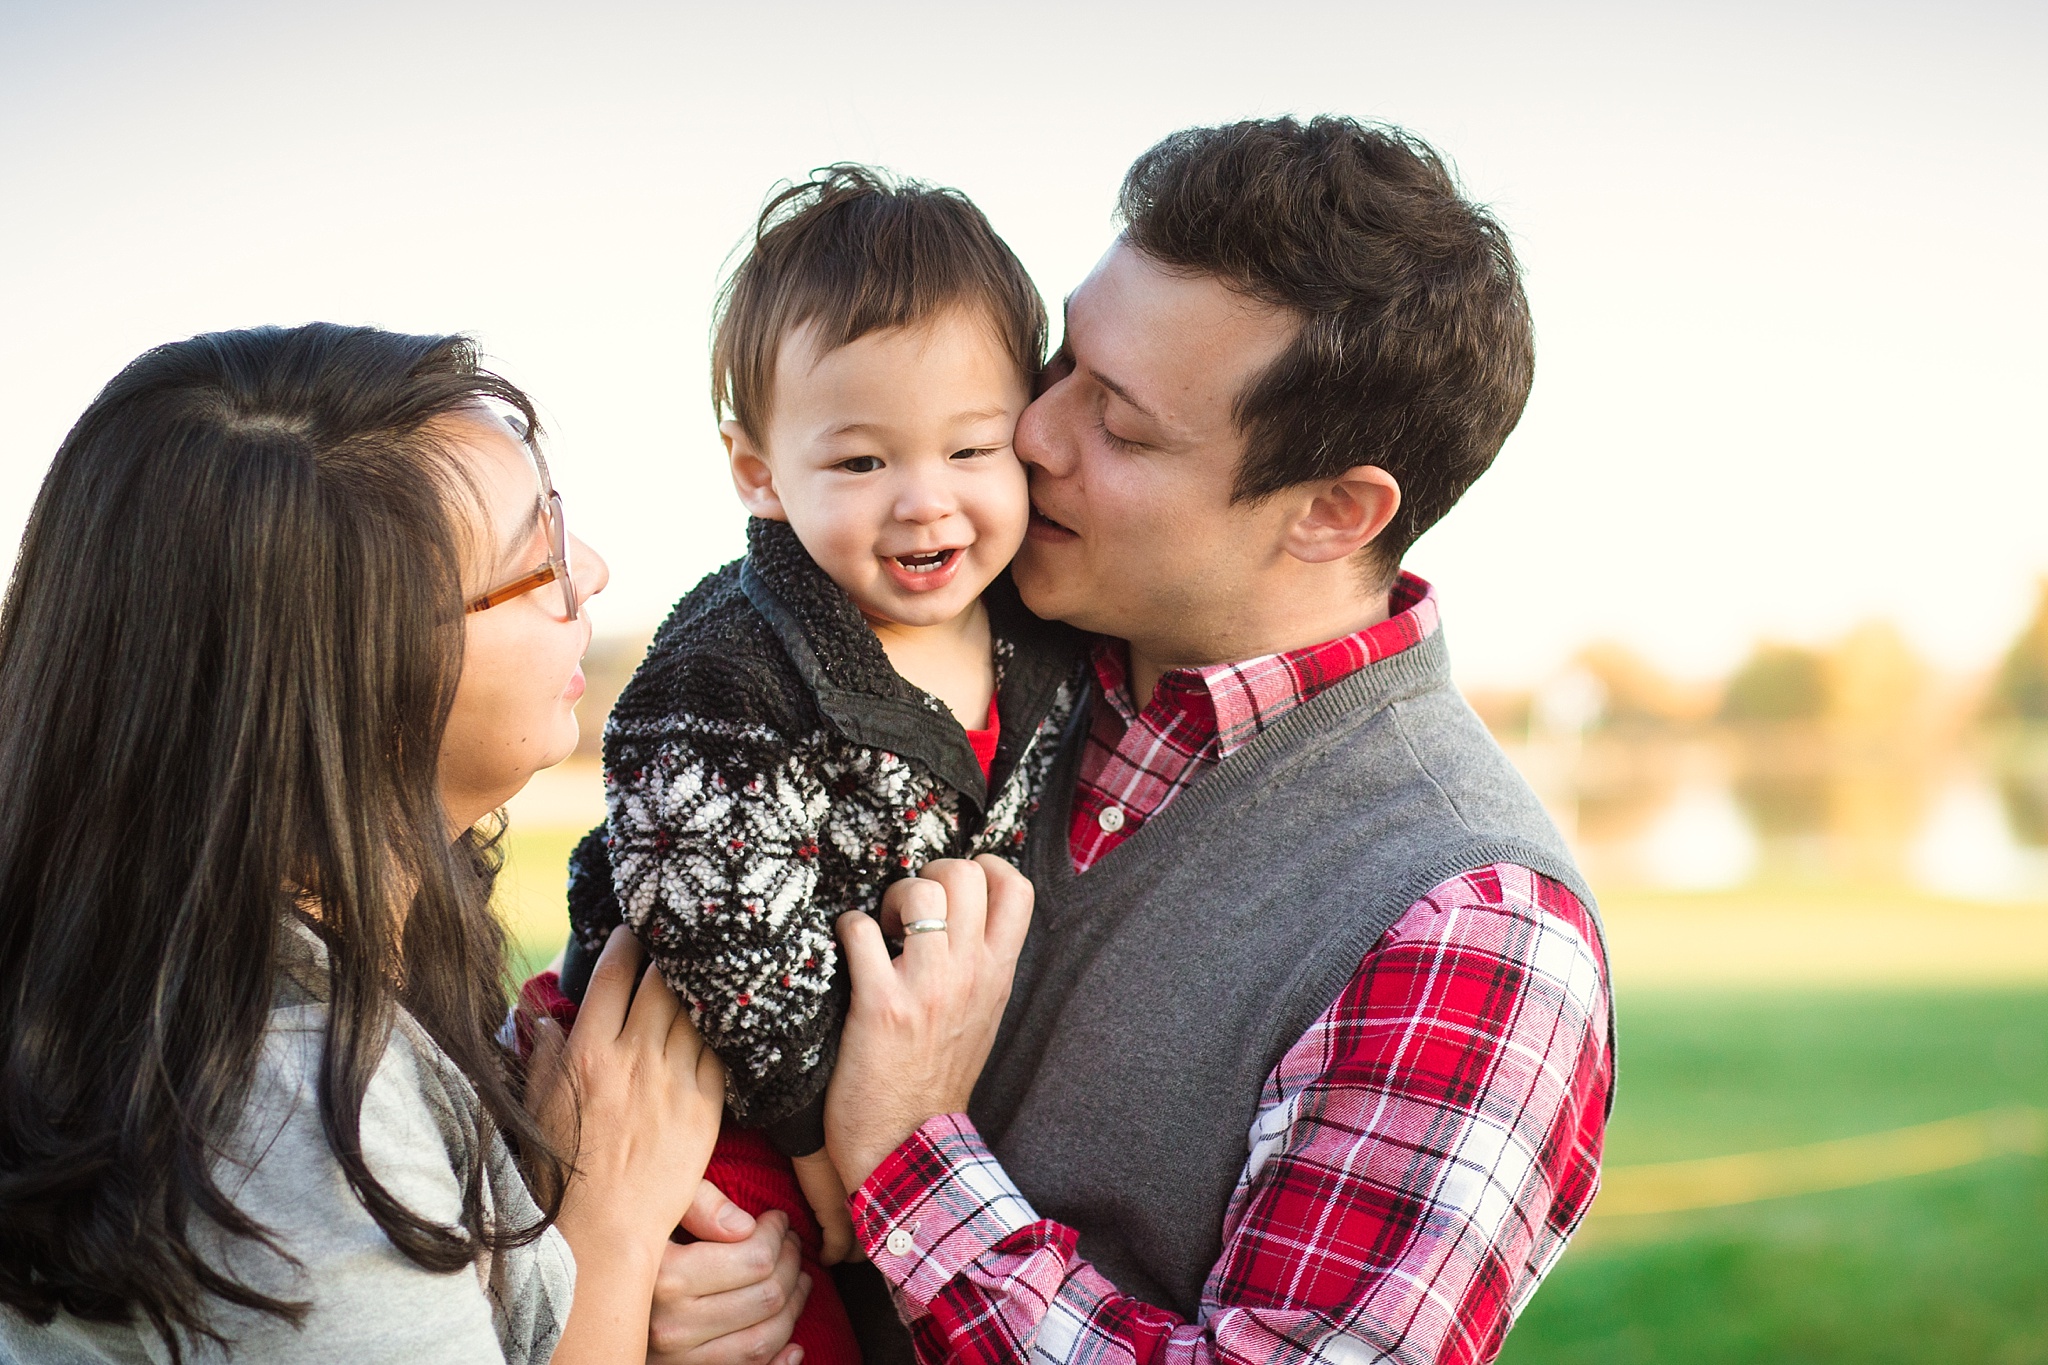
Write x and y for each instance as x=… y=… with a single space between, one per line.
x=863 y=692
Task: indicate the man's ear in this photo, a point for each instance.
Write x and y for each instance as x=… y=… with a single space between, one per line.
x=1344 y=515
x=752 y=479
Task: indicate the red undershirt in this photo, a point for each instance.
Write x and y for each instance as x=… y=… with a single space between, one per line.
x=983 y=742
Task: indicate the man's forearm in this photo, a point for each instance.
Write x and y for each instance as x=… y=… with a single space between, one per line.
x=1422 y=1153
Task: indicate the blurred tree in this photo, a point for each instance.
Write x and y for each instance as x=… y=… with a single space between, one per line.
x=1778 y=683
x=2018 y=708
x=1640 y=696
x=1876 y=686
x=2019 y=691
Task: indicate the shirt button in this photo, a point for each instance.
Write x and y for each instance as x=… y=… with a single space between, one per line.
x=1111 y=819
x=900 y=1243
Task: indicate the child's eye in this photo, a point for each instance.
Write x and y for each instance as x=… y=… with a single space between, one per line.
x=974 y=452
x=861 y=464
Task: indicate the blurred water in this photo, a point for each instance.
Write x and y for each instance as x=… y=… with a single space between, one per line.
x=1699 y=842
x=1719 y=812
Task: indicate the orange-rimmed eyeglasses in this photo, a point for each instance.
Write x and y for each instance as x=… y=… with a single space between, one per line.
x=556 y=570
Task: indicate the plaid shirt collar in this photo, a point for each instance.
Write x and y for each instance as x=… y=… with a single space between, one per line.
x=1227 y=705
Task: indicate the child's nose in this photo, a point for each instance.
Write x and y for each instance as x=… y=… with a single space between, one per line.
x=921 y=501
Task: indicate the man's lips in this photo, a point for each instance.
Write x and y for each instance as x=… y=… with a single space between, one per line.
x=1043 y=527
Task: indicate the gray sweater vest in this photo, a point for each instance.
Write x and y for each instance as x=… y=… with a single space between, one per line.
x=1158 y=990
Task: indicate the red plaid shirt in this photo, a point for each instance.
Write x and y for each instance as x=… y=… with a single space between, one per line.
x=1419 y=1156
x=1139 y=760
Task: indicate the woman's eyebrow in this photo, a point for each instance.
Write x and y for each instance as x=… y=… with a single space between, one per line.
x=521 y=537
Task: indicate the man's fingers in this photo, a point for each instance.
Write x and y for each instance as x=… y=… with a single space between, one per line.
x=910 y=900
x=966 y=887
x=1010 y=899
x=611 y=985
x=867 y=956
x=712 y=1217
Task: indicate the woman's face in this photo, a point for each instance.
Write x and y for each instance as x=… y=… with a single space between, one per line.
x=515 y=706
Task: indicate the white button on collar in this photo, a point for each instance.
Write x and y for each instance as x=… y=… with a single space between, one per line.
x=900 y=1243
x=1111 y=819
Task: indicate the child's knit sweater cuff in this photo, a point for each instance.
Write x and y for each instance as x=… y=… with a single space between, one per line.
x=803 y=1132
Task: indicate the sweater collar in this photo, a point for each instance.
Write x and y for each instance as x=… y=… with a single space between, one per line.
x=845 y=653
x=860 y=692
x=1217 y=709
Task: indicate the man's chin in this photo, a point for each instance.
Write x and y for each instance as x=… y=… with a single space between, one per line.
x=1039 y=579
x=1055 y=589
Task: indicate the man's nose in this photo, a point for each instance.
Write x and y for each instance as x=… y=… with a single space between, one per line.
x=1042 y=428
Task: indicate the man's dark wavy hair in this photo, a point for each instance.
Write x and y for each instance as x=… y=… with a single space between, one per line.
x=227 y=656
x=1415 y=352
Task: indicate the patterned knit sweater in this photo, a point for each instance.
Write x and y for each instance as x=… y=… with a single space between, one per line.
x=767 y=770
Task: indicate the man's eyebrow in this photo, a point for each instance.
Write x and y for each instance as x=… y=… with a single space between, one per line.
x=1066 y=349
x=1123 y=393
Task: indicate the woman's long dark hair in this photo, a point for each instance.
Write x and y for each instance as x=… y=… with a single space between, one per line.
x=227 y=656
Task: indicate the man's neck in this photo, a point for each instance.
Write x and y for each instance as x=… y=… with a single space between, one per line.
x=1153 y=659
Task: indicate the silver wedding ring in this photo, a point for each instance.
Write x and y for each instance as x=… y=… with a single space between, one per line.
x=924 y=926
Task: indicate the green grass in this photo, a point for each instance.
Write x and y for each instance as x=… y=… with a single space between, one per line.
x=1945 y=1267
x=530 y=895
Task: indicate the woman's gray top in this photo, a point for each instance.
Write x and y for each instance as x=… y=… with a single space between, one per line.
x=369 y=1303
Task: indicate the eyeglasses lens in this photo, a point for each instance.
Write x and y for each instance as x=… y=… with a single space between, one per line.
x=558 y=545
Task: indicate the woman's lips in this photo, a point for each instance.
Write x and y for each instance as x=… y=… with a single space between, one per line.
x=574 y=691
x=926 y=572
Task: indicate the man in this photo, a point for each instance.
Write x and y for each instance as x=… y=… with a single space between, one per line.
x=1308 y=1051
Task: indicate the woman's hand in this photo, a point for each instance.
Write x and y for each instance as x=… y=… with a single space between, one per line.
x=637 y=1096
x=732 y=1297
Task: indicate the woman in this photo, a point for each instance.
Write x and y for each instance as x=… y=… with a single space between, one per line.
x=295 y=613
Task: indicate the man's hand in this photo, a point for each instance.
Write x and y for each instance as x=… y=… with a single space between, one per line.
x=920 y=1027
x=731 y=1298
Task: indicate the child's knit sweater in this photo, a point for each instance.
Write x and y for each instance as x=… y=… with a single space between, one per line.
x=767 y=770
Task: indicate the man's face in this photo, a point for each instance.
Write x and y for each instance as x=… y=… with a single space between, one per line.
x=1132 y=451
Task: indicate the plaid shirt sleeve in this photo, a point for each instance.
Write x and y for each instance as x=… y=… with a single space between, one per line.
x=1418 y=1160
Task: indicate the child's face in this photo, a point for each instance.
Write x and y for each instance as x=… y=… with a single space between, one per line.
x=890 y=457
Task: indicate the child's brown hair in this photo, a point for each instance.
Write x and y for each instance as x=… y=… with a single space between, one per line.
x=850 y=252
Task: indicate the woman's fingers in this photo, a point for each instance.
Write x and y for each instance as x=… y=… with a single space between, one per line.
x=707 y=1291
x=654 y=1011
x=754 y=1343
x=611 y=986
x=544 y=1068
x=714 y=1218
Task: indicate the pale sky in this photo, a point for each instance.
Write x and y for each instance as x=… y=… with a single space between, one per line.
x=1786 y=260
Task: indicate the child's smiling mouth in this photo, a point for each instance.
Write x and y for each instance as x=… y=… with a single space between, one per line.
x=924 y=572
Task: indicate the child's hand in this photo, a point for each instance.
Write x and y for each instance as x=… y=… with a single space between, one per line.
x=827 y=1198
